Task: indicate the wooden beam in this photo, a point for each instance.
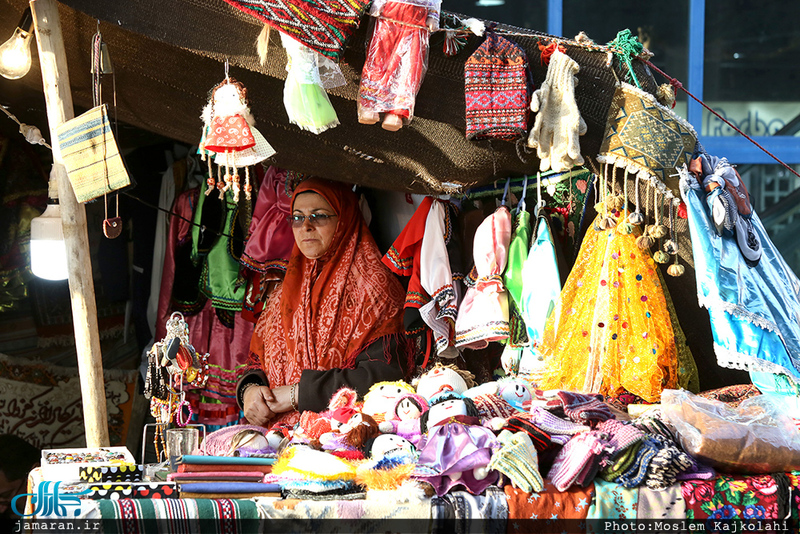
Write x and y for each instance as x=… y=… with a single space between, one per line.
x=53 y=62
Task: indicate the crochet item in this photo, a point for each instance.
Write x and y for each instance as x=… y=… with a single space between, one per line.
x=518 y=460
x=558 y=122
x=621 y=435
x=582 y=408
x=548 y=422
x=665 y=467
x=520 y=423
x=491 y=405
x=579 y=452
x=697 y=471
x=612 y=472
x=496 y=90
x=636 y=473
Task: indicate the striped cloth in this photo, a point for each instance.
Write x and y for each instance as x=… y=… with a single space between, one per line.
x=220 y=516
x=90 y=155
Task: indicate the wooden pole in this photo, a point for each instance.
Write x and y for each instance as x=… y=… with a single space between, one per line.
x=53 y=62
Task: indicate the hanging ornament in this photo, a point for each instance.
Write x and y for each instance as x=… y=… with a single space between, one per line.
x=229 y=135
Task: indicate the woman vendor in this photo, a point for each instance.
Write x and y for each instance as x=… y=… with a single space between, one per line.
x=336 y=319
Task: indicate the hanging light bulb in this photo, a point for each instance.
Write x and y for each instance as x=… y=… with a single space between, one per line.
x=48 y=249
x=15 y=54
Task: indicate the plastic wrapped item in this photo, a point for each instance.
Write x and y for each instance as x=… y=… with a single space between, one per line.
x=304 y=97
x=397 y=59
x=758 y=436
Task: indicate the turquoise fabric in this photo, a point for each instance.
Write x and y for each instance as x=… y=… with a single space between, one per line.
x=755 y=311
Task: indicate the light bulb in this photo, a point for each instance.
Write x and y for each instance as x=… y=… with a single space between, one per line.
x=48 y=250
x=15 y=54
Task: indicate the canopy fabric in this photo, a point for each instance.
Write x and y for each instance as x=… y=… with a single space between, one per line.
x=168 y=55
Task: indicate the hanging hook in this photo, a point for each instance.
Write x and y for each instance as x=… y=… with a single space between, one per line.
x=226 y=70
x=505 y=190
x=522 y=205
x=539 y=201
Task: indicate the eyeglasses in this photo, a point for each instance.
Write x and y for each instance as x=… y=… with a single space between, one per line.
x=316 y=219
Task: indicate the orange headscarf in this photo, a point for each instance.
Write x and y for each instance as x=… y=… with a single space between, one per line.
x=328 y=310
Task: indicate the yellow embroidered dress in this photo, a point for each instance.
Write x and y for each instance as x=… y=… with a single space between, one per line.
x=611 y=330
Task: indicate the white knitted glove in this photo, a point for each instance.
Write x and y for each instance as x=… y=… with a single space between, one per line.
x=558 y=122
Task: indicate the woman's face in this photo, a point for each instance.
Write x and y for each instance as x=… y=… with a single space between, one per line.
x=313 y=239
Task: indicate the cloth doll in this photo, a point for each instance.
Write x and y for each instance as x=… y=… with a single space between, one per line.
x=386 y=473
x=307 y=104
x=229 y=131
x=382 y=397
x=405 y=416
x=351 y=437
x=385 y=445
x=497 y=401
x=397 y=59
x=250 y=442
x=443 y=378
x=457 y=449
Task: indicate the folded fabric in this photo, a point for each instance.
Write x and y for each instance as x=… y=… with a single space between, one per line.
x=662 y=504
x=583 y=407
x=520 y=423
x=612 y=472
x=636 y=473
x=573 y=458
x=318 y=486
x=552 y=424
x=212 y=468
x=229 y=476
x=223 y=460
x=192 y=495
x=518 y=460
x=230 y=487
x=620 y=436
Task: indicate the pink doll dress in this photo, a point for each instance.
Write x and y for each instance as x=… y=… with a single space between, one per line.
x=483 y=315
x=397 y=57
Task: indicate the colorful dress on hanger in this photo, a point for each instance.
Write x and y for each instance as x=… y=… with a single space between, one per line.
x=397 y=57
x=754 y=310
x=611 y=330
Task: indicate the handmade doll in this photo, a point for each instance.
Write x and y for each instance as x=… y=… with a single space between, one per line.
x=385 y=445
x=405 y=416
x=348 y=442
x=497 y=401
x=443 y=378
x=397 y=59
x=229 y=131
x=250 y=442
x=386 y=473
x=381 y=398
x=457 y=448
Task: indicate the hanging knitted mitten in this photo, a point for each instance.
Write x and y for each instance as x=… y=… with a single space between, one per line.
x=558 y=121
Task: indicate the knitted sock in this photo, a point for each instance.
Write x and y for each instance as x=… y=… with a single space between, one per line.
x=584 y=408
x=540 y=439
x=697 y=471
x=636 y=473
x=653 y=424
x=612 y=472
x=621 y=436
x=554 y=425
x=573 y=458
x=665 y=466
x=517 y=459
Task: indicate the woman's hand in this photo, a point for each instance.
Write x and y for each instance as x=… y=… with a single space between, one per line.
x=283 y=398
x=257 y=408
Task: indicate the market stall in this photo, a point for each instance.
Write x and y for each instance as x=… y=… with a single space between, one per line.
x=550 y=228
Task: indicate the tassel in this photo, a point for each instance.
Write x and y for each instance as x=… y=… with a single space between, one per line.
x=248 y=189
x=210 y=183
x=658 y=231
x=661 y=257
x=675 y=270
x=262 y=44
x=670 y=247
x=625 y=228
x=636 y=218
x=644 y=242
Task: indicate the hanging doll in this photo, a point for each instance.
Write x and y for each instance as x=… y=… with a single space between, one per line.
x=457 y=449
x=404 y=418
x=229 y=133
x=307 y=104
x=397 y=59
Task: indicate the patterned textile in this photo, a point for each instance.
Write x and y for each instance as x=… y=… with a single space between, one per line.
x=611 y=328
x=548 y=504
x=229 y=134
x=132 y=490
x=661 y=504
x=336 y=305
x=134 y=516
x=91 y=156
x=322 y=25
x=612 y=501
x=646 y=138
x=462 y=512
x=794 y=497
x=496 y=90
x=368 y=512
x=732 y=497
x=753 y=310
x=42 y=403
x=731 y=395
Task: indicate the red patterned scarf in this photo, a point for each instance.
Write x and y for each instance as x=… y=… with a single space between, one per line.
x=328 y=310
